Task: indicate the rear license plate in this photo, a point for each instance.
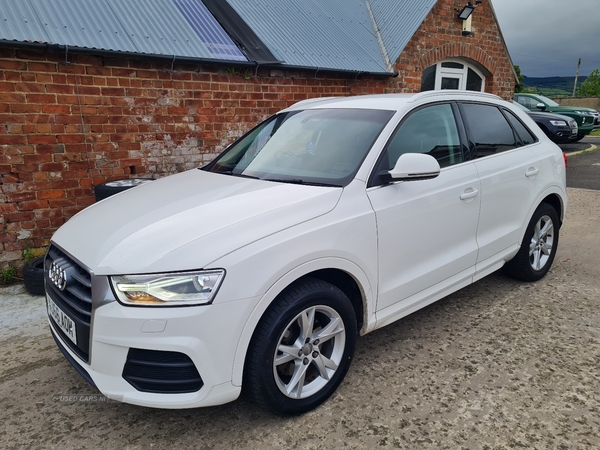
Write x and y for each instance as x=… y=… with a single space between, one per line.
x=64 y=322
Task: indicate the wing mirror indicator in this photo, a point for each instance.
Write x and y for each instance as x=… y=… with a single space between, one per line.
x=412 y=167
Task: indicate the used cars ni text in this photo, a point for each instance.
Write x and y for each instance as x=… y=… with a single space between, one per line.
x=328 y=220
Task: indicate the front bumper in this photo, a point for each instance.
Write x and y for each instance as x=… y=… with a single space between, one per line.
x=562 y=135
x=177 y=357
x=115 y=334
x=588 y=125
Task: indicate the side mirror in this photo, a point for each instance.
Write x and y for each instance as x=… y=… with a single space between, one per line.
x=540 y=106
x=414 y=167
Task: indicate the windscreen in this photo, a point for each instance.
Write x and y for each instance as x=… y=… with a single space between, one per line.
x=316 y=146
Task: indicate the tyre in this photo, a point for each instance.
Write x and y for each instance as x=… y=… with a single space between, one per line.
x=109 y=188
x=33 y=276
x=538 y=248
x=302 y=348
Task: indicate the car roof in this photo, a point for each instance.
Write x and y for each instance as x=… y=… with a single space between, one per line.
x=392 y=101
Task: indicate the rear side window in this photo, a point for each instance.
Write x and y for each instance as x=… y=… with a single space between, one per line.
x=526 y=136
x=488 y=129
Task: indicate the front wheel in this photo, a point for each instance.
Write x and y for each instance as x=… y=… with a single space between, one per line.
x=302 y=348
x=539 y=246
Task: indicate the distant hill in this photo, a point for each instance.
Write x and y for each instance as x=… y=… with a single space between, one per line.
x=553 y=86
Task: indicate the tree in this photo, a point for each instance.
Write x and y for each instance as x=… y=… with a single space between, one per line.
x=591 y=86
x=519 y=87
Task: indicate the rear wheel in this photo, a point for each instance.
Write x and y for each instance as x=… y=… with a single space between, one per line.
x=302 y=348
x=538 y=248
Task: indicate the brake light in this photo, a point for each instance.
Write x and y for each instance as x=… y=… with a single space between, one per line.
x=565 y=158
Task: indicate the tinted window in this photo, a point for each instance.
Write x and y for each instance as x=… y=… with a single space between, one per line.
x=526 y=136
x=428 y=79
x=430 y=130
x=474 y=81
x=488 y=129
x=450 y=83
x=453 y=65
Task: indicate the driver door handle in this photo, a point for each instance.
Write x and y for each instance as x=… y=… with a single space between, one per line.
x=469 y=193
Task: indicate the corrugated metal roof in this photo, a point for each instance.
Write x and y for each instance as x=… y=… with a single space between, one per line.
x=323 y=34
x=182 y=28
x=326 y=34
x=398 y=21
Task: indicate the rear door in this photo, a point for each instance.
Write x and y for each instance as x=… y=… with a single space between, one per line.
x=509 y=171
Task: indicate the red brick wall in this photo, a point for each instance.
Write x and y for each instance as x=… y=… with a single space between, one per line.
x=440 y=37
x=67 y=127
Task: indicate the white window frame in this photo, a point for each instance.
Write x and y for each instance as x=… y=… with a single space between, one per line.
x=461 y=74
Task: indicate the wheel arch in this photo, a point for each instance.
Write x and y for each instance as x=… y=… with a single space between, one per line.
x=343 y=274
x=557 y=203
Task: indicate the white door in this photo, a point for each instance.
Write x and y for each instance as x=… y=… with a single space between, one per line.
x=509 y=175
x=426 y=229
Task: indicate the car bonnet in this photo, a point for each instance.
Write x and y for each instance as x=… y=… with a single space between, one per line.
x=186 y=221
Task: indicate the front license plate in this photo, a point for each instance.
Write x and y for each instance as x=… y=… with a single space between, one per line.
x=64 y=322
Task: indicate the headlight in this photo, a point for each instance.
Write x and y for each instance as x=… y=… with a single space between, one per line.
x=168 y=289
x=558 y=123
x=583 y=113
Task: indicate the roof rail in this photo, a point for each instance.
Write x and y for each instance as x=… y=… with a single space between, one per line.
x=439 y=92
x=312 y=100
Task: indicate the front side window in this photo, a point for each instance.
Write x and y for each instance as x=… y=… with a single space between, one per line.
x=527 y=102
x=547 y=101
x=431 y=130
x=488 y=130
x=314 y=146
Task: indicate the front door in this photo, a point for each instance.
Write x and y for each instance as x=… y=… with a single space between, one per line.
x=426 y=229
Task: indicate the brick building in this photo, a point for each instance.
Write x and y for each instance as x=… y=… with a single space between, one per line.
x=76 y=112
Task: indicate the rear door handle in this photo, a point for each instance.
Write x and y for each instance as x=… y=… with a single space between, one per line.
x=469 y=193
x=532 y=171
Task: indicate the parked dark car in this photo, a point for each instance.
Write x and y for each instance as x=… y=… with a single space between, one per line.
x=560 y=129
x=587 y=119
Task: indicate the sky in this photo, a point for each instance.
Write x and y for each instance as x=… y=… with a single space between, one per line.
x=546 y=38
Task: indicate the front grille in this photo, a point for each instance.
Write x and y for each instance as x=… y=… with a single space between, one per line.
x=75 y=299
x=161 y=372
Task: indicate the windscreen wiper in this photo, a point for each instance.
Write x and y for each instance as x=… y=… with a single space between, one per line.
x=300 y=181
x=241 y=175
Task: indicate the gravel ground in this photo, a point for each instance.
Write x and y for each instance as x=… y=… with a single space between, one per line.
x=497 y=365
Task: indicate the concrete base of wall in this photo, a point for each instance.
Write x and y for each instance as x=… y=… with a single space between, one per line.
x=589 y=102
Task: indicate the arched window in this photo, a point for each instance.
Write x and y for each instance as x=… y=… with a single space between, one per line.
x=453 y=74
